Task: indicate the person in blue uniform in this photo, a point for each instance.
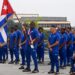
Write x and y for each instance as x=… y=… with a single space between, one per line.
x=63 y=49
x=49 y=53
x=72 y=69
x=32 y=41
x=53 y=44
x=40 y=49
x=74 y=40
x=6 y=52
x=23 y=45
x=58 y=31
x=2 y=51
x=11 y=44
x=4 y=48
x=69 y=46
x=18 y=33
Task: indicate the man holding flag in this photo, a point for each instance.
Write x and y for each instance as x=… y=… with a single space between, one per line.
x=32 y=41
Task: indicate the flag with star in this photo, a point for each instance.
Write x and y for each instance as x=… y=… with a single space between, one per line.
x=6 y=13
x=6 y=8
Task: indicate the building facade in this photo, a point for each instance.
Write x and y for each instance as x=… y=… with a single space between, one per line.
x=45 y=22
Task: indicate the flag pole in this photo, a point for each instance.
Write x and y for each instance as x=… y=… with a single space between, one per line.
x=17 y=17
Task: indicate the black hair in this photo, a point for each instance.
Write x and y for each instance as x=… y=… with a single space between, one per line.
x=16 y=27
x=40 y=28
x=32 y=23
x=11 y=29
x=69 y=28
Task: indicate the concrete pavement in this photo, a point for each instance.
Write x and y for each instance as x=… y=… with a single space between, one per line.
x=8 y=69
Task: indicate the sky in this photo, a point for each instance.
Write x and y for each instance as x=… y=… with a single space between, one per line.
x=50 y=8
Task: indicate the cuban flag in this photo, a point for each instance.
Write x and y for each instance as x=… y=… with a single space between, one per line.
x=6 y=13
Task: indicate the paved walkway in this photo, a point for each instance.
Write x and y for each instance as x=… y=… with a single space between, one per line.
x=7 y=69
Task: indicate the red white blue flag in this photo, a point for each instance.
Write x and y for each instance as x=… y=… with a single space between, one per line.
x=6 y=13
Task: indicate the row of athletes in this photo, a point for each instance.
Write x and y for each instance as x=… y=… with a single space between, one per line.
x=30 y=42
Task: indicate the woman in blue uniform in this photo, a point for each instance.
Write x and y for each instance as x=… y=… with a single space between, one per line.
x=22 y=45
